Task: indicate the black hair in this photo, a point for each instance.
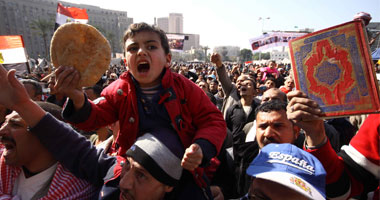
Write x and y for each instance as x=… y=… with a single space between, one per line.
x=35 y=84
x=282 y=94
x=96 y=88
x=270 y=77
x=215 y=81
x=51 y=108
x=269 y=106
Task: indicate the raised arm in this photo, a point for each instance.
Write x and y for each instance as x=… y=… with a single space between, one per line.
x=66 y=145
x=222 y=74
x=355 y=168
x=305 y=113
x=15 y=97
x=73 y=150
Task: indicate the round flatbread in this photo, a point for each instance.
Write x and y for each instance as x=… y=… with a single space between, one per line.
x=83 y=47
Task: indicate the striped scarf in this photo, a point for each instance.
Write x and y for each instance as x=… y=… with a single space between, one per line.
x=64 y=185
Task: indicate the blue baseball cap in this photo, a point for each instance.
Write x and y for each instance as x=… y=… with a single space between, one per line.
x=292 y=167
x=211 y=76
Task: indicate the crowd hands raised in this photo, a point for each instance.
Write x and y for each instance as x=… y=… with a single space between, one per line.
x=158 y=130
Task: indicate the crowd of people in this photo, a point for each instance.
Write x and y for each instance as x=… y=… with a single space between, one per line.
x=151 y=129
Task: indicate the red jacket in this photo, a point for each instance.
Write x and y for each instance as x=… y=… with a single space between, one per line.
x=364 y=151
x=191 y=112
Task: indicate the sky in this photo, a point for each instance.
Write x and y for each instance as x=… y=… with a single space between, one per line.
x=234 y=22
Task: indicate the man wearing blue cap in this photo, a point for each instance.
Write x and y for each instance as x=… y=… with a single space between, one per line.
x=274 y=125
x=283 y=171
x=210 y=78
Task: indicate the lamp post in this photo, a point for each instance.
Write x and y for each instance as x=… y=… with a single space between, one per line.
x=262 y=22
x=205 y=48
x=262 y=29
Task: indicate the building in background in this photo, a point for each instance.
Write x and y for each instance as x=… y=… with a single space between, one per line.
x=163 y=23
x=228 y=53
x=279 y=55
x=171 y=24
x=192 y=42
x=175 y=23
x=17 y=16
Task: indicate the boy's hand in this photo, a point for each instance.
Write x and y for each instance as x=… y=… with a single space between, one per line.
x=216 y=192
x=192 y=158
x=216 y=59
x=67 y=79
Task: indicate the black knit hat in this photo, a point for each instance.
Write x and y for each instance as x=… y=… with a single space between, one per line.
x=160 y=153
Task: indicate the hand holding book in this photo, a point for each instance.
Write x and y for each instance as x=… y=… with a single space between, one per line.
x=334 y=68
x=306 y=114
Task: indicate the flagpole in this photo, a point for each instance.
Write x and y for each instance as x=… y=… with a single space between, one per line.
x=26 y=55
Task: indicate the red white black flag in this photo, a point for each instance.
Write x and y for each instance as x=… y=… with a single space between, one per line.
x=70 y=14
x=13 y=54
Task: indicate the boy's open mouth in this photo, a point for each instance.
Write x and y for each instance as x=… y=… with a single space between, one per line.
x=143 y=67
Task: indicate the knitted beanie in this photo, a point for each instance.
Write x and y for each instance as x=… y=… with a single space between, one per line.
x=160 y=152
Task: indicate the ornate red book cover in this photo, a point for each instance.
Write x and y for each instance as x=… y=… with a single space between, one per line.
x=334 y=67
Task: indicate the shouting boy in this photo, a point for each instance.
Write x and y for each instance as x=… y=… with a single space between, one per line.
x=147 y=97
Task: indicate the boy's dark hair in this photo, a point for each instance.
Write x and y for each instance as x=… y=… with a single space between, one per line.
x=269 y=106
x=51 y=108
x=144 y=27
x=35 y=84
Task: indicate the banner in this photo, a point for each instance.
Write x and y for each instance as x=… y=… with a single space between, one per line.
x=70 y=14
x=176 y=42
x=13 y=54
x=272 y=39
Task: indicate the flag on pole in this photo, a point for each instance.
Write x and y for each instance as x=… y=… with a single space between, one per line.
x=70 y=14
x=13 y=54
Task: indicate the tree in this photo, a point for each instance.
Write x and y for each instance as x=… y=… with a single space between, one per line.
x=205 y=48
x=263 y=56
x=245 y=55
x=111 y=37
x=199 y=55
x=43 y=27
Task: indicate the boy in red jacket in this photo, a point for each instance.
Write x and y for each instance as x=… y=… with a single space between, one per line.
x=146 y=97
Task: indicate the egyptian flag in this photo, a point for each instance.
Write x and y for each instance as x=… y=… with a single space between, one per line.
x=70 y=14
x=13 y=54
